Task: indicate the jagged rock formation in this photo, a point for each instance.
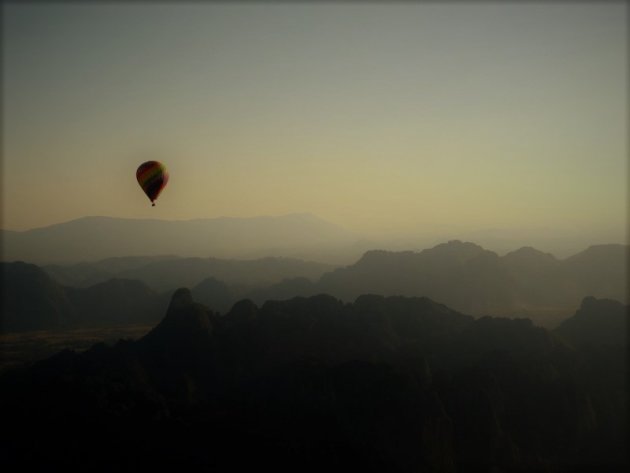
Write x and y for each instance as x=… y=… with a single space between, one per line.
x=382 y=384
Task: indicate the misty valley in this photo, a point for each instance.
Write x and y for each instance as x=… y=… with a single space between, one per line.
x=450 y=359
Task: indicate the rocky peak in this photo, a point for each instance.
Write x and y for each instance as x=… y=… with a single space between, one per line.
x=184 y=320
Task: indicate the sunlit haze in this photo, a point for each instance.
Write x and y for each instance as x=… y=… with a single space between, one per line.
x=388 y=120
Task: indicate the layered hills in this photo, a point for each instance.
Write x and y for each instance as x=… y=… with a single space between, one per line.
x=471 y=279
x=462 y=275
x=169 y=272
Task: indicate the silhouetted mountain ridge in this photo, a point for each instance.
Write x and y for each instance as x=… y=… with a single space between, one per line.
x=597 y=322
x=528 y=257
x=473 y=280
x=32 y=300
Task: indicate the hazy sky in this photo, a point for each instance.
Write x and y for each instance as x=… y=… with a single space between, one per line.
x=379 y=117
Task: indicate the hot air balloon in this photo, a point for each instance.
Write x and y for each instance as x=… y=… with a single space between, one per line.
x=152 y=177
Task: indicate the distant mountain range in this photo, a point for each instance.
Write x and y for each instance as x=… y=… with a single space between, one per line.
x=523 y=283
x=92 y=238
x=390 y=384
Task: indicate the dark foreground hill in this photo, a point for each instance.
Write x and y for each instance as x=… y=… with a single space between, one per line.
x=597 y=322
x=383 y=384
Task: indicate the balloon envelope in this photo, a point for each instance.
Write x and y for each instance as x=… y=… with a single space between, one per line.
x=152 y=177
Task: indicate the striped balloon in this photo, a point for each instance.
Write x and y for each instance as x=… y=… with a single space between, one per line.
x=152 y=177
